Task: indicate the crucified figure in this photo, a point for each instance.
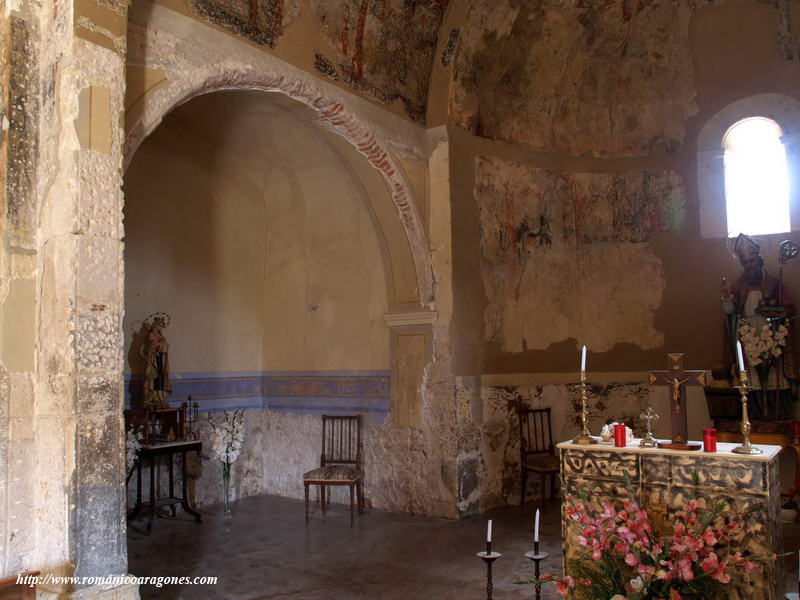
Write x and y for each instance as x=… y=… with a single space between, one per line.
x=676 y=391
x=677 y=378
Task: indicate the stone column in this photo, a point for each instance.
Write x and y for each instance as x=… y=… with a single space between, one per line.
x=68 y=204
x=463 y=393
x=18 y=117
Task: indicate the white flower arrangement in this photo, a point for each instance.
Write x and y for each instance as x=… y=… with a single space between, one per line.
x=132 y=446
x=761 y=346
x=228 y=436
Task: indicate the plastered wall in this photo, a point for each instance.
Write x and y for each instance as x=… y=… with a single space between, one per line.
x=257 y=240
x=264 y=241
x=576 y=219
x=196 y=58
x=572 y=133
x=553 y=116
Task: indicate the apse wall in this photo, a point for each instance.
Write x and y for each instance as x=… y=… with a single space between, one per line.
x=574 y=133
x=247 y=227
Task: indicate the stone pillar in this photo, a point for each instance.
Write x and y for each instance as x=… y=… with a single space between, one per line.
x=18 y=116
x=61 y=370
x=462 y=393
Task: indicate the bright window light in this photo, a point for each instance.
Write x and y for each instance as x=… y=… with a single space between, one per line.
x=756 y=178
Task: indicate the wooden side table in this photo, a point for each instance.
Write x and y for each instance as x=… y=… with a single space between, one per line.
x=151 y=453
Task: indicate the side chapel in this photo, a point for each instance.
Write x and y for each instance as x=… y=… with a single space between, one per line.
x=367 y=240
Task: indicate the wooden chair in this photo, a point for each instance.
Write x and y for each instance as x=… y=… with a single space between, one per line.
x=340 y=461
x=537 y=453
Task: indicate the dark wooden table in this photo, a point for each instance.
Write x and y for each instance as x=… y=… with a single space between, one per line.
x=151 y=453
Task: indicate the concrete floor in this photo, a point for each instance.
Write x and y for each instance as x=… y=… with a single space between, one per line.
x=267 y=551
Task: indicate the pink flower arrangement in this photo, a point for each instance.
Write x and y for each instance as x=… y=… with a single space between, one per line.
x=623 y=556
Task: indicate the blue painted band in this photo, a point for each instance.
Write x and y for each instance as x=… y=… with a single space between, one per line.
x=305 y=392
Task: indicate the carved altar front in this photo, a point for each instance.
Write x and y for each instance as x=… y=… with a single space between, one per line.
x=664 y=480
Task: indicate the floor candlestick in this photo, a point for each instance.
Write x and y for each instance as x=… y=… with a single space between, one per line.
x=537 y=557
x=489 y=557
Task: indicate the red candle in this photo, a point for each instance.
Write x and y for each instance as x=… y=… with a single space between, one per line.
x=709 y=439
x=796 y=428
x=620 y=438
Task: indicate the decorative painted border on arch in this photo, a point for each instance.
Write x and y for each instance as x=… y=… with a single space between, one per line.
x=219 y=70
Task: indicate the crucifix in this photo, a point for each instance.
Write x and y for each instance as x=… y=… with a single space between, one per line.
x=677 y=378
x=648 y=416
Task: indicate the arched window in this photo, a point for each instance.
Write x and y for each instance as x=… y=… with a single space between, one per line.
x=756 y=178
x=748 y=172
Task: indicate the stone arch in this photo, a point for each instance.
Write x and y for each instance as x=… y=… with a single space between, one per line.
x=332 y=114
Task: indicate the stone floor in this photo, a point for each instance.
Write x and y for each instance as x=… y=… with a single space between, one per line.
x=267 y=551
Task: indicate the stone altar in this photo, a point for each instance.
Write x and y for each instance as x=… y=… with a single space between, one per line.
x=664 y=480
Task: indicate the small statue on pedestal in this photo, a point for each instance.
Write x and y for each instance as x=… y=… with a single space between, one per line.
x=155 y=351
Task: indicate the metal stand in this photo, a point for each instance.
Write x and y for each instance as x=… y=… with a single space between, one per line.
x=746 y=447
x=191 y=417
x=489 y=557
x=584 y=438
x=537 y=557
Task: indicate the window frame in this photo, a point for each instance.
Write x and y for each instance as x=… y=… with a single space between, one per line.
x=785 y=111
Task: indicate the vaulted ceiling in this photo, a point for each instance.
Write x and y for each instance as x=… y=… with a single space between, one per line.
x=605 y=77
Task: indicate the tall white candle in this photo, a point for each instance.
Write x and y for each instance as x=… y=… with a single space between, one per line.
x=489 y=531
x=739 y=355
x=536 y=527
x=583 y=359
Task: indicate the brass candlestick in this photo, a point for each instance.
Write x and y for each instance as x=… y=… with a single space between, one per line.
x=746 y=447
x=584 y=438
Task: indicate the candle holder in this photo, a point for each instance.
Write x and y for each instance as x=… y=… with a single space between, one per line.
x=489 y=557
x=584 y=438
x=536 y=557
x=746 y=447
x=192 y=417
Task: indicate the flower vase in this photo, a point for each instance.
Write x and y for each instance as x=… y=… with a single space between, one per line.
x=226 y=490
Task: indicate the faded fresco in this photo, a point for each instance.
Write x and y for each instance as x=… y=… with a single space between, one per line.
x=385 y=48
x=558 y=251
x=548 y=74
x=260 y=21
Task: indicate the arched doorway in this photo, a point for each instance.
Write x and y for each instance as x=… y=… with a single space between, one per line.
x=262 y=236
